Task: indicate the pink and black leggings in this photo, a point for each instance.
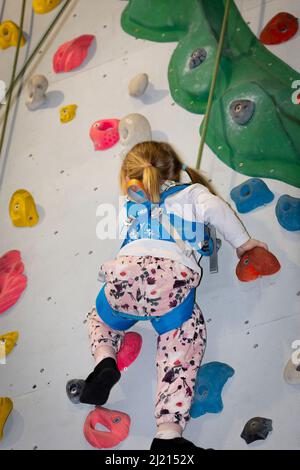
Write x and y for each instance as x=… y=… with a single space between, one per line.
x=153 y=286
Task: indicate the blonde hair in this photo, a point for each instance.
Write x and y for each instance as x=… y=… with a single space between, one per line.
x=152 y=163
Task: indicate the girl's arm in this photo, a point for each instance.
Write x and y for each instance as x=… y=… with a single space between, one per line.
x=249 y=245
x=213 y=210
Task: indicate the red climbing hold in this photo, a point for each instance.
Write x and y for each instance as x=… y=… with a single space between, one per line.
x=129 y=351
x=12 y=280
x=281 y=28
x=256 y=263
x=72 y=54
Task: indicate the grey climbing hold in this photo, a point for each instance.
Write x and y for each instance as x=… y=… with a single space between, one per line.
x=197 y=58
x=74 y=390
x=242 y=111
x=134 y=129
x=257 y=429
x=37 y=88
x=138 y=85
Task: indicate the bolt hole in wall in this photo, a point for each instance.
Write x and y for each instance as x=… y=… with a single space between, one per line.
x=252 y=158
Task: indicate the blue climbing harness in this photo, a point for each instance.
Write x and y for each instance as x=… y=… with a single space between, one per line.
x=147 y=220
x=123 y=321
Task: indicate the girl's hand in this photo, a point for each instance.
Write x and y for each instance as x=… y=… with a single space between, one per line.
x=249 y=245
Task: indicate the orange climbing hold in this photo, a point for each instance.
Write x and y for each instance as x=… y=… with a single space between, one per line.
x=257 y=263
x=117 y=423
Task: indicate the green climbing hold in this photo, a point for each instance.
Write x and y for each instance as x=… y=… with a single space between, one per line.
x=254 y=125
x=158 y=20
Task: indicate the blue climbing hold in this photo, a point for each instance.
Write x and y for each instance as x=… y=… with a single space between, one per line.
x=288 y=212
x=210 y=381
x=251 y=194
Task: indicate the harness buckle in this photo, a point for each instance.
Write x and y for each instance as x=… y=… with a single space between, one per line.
x=129 y=221
x=101 y=276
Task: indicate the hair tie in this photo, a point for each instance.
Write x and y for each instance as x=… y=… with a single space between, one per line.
x=184 y=167
x=148 y=165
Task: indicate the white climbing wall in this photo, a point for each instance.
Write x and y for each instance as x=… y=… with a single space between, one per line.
x=251 y=327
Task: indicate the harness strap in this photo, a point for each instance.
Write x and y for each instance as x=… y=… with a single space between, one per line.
x=183 y=246
x=163 y=324
x=176 y=317
x=169 y=228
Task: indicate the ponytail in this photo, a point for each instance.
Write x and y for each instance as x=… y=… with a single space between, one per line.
x=154 y=162
x=151 y=183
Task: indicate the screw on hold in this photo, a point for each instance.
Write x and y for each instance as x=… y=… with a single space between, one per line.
x=74 y=390
x=197 y=58
x=242 y=111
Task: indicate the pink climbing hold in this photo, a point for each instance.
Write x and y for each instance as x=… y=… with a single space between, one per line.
x=12 y=280
x=116 y=422
x=11 y=263
x=129 y=351
x=72 y=54
x=105 y=133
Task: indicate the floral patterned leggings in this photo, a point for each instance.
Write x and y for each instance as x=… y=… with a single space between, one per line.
x=153 y=286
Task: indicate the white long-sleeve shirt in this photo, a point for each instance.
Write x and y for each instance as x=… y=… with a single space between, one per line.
x=198 y=204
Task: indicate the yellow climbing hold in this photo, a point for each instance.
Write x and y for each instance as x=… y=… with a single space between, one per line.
x=10 y=340
x=41 y=7
x=68 y=113
x=22 y=209
x=9 y=35
x=6 y=406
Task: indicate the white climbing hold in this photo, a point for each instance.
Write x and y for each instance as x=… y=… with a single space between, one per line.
x=138 y=85
x=291 y=373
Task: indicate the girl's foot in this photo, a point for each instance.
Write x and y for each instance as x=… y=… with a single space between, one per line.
x=178 y=444
x=100 y=382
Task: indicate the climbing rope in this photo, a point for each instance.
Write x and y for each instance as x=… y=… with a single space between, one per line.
x=15 y=80
x=213 y=83
x=16 y=58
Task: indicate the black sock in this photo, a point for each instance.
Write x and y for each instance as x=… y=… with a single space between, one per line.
x=100 y=382
x=178 y=444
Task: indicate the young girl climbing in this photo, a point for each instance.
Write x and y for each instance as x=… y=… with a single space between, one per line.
x=154 y=277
